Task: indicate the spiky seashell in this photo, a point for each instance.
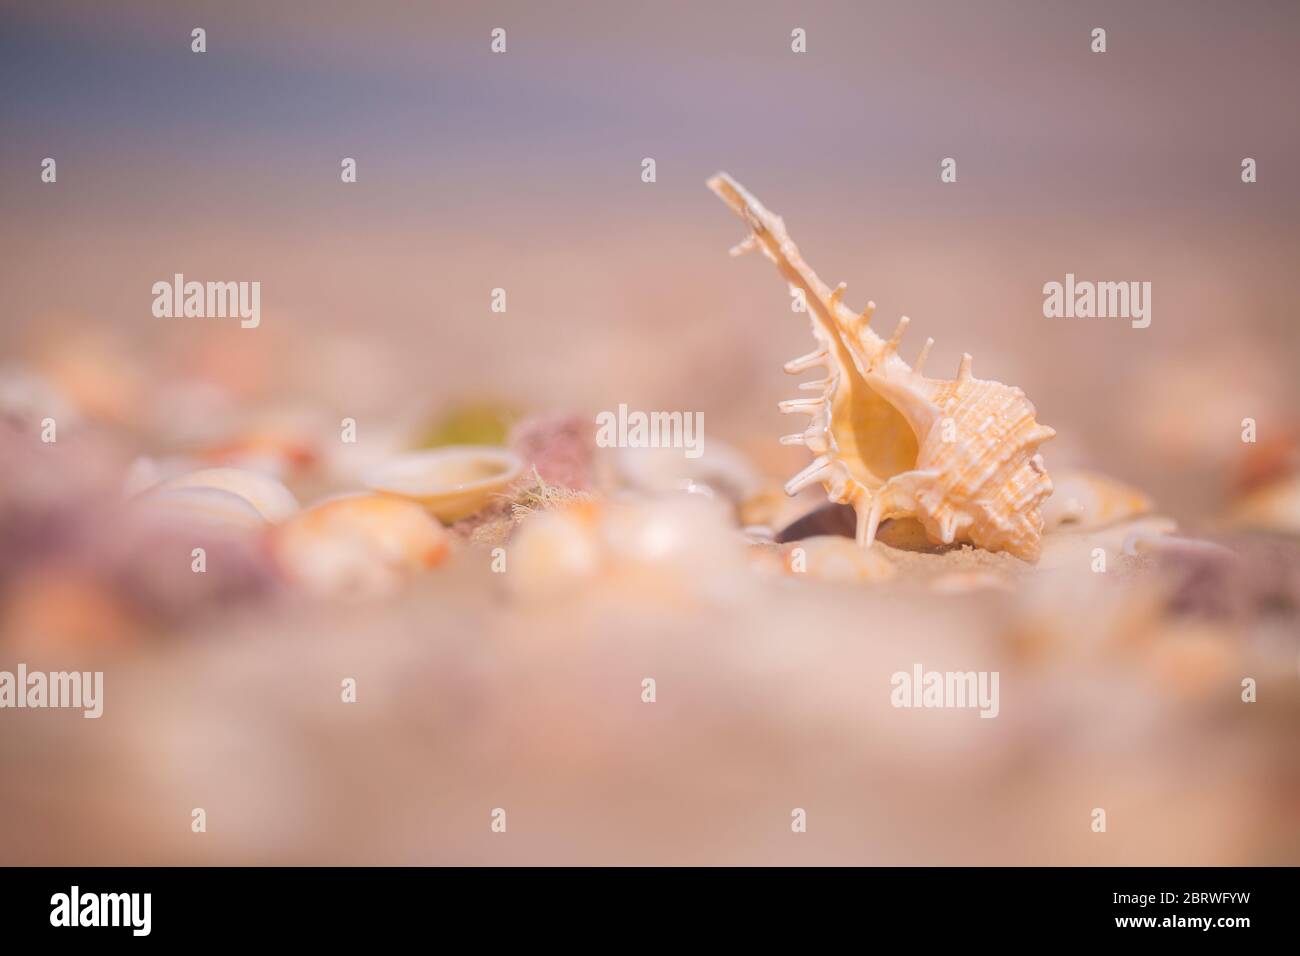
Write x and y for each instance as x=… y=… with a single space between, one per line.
x=1084 y=500
x=960 y=456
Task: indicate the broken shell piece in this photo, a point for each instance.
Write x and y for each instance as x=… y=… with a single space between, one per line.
x=358 y=546
x=273 y=501
x=452 y=482
x=959 y=455
x=1083 y=500
x=833 y=558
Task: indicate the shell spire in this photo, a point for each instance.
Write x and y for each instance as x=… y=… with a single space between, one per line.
x=958 y=455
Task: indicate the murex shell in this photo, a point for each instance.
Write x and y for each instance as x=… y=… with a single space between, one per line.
x=958 y=455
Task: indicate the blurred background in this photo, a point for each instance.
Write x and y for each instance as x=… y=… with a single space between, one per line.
x=523 y=171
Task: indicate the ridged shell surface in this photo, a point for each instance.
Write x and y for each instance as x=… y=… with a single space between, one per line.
x=959 y=455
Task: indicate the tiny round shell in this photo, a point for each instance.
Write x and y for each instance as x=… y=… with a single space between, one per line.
x=452 y=482
x=691 y=534
x=552 y=553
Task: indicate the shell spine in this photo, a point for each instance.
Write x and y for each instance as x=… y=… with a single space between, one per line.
x=958 y=455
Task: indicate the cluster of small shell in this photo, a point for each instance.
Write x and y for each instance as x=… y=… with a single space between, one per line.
x=958 y=455
x=355 y=545
x=673 y=548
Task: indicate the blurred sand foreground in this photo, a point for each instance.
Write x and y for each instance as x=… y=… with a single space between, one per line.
x=476 y=692
x=761 y=708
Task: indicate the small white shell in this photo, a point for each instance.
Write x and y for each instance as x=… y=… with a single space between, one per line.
x=452 y=482
x=1084 y=500
x=692 y=534
x=273 y=501
x=553 y=552
x=208 y=505
x=650 y=550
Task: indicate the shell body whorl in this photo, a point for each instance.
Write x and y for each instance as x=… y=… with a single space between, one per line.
x=958 y=455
